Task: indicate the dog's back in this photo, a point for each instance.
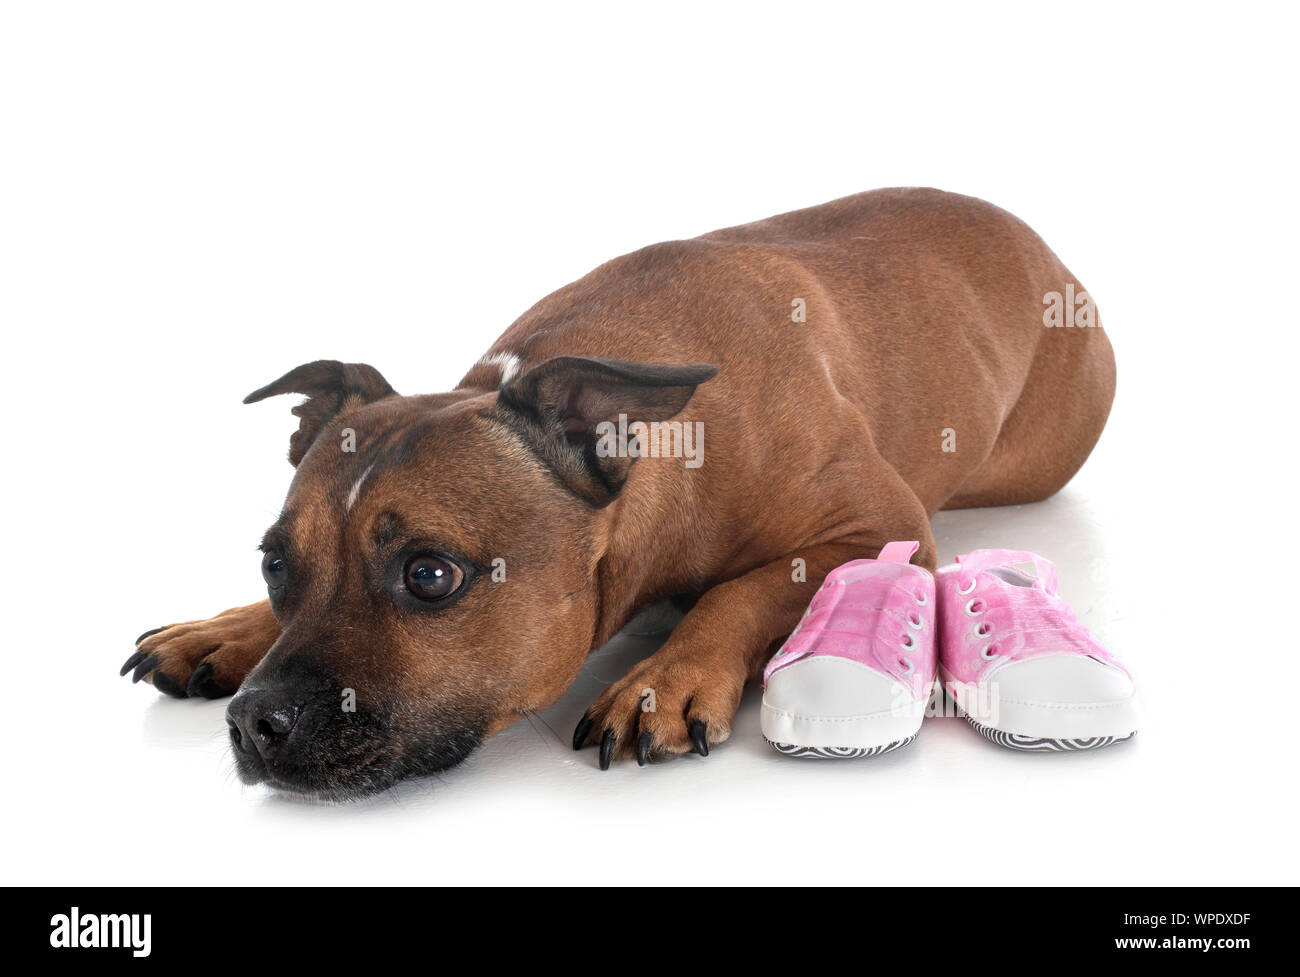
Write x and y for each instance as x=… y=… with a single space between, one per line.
x=913 y=317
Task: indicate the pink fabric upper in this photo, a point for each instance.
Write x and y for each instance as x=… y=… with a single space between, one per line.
x=987 y=620
x=878 y=612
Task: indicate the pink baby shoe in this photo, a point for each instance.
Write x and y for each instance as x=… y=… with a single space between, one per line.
x=1019 y=665
x=854 y=677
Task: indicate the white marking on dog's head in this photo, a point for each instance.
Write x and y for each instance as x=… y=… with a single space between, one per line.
x=508 y=363
x=356 y=489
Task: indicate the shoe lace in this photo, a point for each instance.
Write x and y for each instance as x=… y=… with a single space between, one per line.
x=1022 y=610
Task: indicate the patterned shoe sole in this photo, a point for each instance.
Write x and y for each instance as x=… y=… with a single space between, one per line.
x=1032 y=745
x=839 y=752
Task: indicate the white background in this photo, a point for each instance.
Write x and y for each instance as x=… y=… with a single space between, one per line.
x=196 y=197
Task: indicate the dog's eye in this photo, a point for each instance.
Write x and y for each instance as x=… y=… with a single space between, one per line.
x=274 y=571
x=433 y=578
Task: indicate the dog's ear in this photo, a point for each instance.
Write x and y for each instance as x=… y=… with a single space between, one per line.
x=330 y=387
x=560 y=403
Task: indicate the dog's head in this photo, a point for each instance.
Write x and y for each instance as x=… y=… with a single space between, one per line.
x=434 y=570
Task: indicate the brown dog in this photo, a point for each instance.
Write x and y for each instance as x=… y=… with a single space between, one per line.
x=444 y=563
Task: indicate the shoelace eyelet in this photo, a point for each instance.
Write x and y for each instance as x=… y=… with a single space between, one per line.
x=987 y=652
x=907 y=642
x=908 y=667
x=916 y=624
x=966 y=590
x=970 y=607
x=982 y=630
x=921 y=599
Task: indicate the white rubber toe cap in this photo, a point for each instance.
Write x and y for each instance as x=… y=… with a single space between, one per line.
x=830 y=688
x=1059 y=697
x=837 y=703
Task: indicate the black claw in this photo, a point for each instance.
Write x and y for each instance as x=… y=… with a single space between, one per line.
x=606 y=749
x=202 y=683
x=643 y=744
x=201 y=674
x=165 y=684
x=700 y=736
x=581 y=730
x=144 y=668
x=132 y=662
x=149 y=634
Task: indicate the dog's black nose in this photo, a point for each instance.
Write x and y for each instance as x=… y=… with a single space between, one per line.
x=261 y=722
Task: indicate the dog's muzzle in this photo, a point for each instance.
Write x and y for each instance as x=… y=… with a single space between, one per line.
x=302 y=742
x=262 y=724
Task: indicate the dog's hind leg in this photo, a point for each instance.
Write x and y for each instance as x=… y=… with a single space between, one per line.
x=206 y=658
x=1054 y=424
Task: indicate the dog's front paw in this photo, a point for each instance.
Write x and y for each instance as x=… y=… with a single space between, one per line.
x=206 y=658
x=659 y=710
